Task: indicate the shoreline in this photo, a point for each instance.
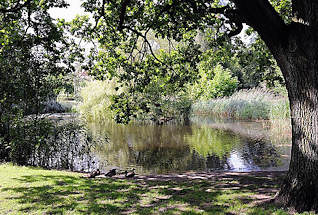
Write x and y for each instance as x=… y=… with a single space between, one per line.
x=218 y=175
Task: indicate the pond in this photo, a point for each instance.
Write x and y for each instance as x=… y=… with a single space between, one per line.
x=205 y=144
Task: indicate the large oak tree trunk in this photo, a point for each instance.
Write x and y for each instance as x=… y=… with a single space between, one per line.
x=299 y=63
x=295 y=48
x=300 y=188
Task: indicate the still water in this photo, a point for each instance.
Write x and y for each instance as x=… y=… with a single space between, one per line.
x=204 y=145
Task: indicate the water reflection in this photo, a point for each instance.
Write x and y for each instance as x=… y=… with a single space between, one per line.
x=200 y=146
x=148 y=148
x=204 y=145
x=68 y=146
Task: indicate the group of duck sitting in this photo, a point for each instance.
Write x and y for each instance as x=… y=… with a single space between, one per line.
x=112 y=172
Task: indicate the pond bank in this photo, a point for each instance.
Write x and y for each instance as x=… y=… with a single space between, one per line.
x=212 y=176
x=31 y=190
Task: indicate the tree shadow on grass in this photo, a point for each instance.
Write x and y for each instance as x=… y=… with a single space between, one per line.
x=70 y=194
x=67 y=193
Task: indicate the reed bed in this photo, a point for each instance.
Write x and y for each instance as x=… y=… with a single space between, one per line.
x=252 y=104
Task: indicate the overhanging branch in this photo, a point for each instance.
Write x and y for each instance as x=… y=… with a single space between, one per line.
x=144 y=36
x=100 y=15
x=234 y=17
x=218 y=10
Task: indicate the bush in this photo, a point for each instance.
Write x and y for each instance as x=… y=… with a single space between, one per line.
x=222 y=84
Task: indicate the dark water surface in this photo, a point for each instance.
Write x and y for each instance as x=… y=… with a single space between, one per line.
x=204 y=145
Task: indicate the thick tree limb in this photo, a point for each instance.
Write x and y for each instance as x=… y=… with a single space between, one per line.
x=234 y=17
x=261 y=15
x=219 y=10
x=100 y=15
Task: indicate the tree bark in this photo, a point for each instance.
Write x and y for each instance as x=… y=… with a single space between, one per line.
x=295 y=48
x=298 y=59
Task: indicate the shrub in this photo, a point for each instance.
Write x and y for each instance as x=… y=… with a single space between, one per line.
x=222 y=84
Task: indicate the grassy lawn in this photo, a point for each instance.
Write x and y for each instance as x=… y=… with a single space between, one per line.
x=28 y=190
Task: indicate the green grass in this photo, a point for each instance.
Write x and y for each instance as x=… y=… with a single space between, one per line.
x=27 y=190
x=253 y=104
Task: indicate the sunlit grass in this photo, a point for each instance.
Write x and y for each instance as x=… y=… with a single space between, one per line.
x=26 y=190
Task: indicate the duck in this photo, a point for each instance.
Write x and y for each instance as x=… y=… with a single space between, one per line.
x=111 y=173
x=94 y=173
x=130 y=174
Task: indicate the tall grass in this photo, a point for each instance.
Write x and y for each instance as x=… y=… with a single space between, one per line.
x=252 y=104
x=96 y=100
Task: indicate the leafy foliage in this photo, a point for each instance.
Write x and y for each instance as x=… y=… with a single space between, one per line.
x=150 y=81
x=250 y=61
x=33 y=51
x=222 y=84
x=130 y=48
